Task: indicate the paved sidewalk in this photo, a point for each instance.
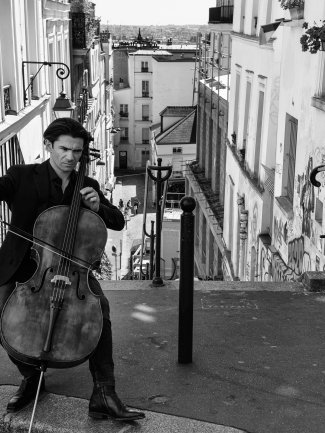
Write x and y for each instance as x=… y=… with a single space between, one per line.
x=258 y=363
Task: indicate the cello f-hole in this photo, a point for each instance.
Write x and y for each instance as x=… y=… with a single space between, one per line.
x=79 y=295
x=33 y=288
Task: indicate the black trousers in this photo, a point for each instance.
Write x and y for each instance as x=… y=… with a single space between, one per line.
x=101 y=363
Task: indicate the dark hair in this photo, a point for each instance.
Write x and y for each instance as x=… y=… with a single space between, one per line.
x=65 y=126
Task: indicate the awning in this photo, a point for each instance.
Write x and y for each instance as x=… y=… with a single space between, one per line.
x=267 y=31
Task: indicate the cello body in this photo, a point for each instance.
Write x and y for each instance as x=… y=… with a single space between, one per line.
x=54 y=317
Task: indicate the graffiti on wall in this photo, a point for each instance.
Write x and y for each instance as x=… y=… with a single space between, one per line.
x=273 y=267
x=280 y=231
x=307 y=198
x=298 y=259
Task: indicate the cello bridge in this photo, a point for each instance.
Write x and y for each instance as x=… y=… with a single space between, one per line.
x=61 y=278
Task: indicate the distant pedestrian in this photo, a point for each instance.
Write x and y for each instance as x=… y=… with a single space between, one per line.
x=135 y=207
x=120 y=204
x=128 y=205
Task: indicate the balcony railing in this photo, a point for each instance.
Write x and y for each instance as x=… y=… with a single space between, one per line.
x=124 y=114
x=145 y=141
x=144 y=69
x=223 y=13
x=145 y=94
x=212 y=197
x=145 y=118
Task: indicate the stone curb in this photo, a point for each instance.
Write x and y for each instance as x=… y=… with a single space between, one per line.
x=61 y=414
x=207 y=286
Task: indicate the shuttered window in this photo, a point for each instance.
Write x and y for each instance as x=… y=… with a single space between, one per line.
x=290 y=145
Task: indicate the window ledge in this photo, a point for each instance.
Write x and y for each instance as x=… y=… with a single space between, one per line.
x=285 y=206
x=318 y=102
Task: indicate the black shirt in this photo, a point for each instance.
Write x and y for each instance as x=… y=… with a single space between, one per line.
x=57 y=196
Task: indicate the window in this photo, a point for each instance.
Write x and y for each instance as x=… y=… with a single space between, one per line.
x=319 y=211
x=145 y=89
x=144 y=67
x=289 y=157
x=237 y=100
x=124 y=134
x=145 y=156
x=258 y=138
x=145 y=135
x=85 y=78
x=247 y=106
x=177 y=150
x=145 y=112
x=124 y=110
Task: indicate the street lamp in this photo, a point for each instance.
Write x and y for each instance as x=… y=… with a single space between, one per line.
x=63 y=107
x=114 y=130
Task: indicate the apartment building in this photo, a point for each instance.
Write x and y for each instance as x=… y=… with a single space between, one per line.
x=273 y=214
x=146 y=81
x=205 y=177
x=298 y=214
x=251 y=141
x=92 y=87
x=28 y=91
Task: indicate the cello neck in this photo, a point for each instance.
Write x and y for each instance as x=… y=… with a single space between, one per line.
x=72 y=223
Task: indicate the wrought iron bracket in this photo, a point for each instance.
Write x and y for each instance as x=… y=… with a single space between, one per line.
x=62 y=73
x=314 y=173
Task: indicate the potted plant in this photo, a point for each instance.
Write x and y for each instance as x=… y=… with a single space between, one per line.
x=314 y=37
x=296 y=8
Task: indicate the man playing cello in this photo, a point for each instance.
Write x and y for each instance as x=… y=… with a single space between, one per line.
x=29 y=190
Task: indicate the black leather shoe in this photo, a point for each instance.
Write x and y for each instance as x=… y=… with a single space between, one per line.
x=25 y=394
x=105 y=403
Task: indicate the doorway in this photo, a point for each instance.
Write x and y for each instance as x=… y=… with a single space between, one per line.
x=123 y=159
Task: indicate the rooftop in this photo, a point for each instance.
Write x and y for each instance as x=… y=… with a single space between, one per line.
x=182 y=132
x=176 y=111
x=219 y=85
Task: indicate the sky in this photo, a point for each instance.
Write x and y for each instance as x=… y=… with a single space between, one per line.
x=154 y=12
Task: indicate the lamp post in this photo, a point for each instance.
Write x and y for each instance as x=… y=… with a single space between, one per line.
x=157 y=281
x=114 y=253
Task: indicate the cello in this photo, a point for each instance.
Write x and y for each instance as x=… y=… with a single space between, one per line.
x=54 y=320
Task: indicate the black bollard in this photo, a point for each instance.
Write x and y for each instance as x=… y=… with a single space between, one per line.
x=186 y=282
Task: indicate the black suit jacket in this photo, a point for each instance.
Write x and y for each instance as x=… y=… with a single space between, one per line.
x=25 y=188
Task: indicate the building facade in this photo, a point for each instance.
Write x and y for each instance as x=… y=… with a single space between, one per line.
x=39 y=33
x=205 y=177
x=273 y=214
x=149 y=80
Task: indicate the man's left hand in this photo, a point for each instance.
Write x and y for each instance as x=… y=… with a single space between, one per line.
x=90 y=198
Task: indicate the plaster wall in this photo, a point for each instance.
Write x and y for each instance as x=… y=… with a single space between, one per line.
x=297 y=227
x=257 y=65
x=172 y=84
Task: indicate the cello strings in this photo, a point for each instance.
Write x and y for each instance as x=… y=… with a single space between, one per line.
x=64 y=265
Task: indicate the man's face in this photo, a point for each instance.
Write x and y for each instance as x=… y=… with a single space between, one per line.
x=65 y=153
